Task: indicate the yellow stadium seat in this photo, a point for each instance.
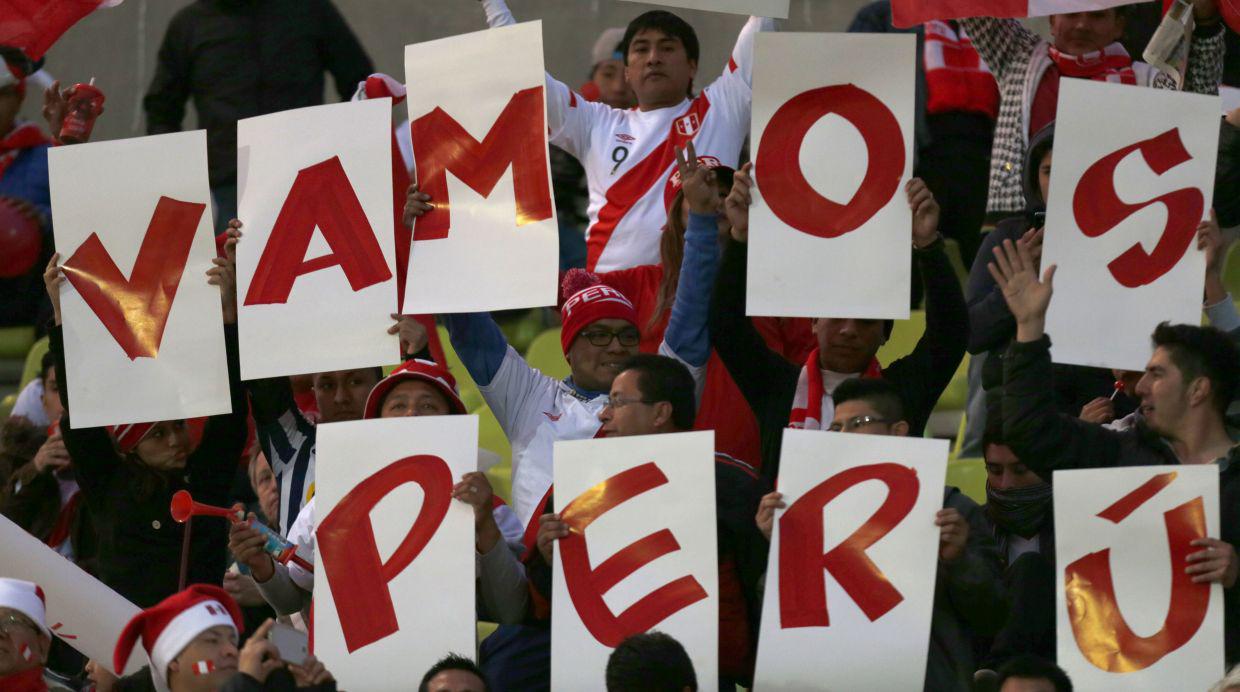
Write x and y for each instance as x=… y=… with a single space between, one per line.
x=1231 y=270
x=470 y=396
x=904 y=338
x=970 y=476
x=34 y=359
x=15 y=342
x=546 y=355
x=491 y=437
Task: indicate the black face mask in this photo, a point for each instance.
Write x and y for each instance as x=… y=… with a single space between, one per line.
x=1022 y=511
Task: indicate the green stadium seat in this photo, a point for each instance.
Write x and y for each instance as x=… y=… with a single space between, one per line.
x=15 y=342
x=470 y=396
x=970 y=476
x=904 y=338
x=1231 y=271
x=34 y=359
x=491 y=437
x=546 y=355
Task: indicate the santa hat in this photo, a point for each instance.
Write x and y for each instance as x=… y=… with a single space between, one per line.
x=379 y=85
x=588 y=300
x=427 y=371
x=128 y=436
x=167 y=628
x=26 y=598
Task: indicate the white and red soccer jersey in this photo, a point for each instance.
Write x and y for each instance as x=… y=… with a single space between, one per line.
x=907 y=13
x=629 y=155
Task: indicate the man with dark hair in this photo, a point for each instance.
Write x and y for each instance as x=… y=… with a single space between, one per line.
x=786 y=395
x=1083 y=45
x=654 y=395
x=1184 y=393
x=650 y=662
x=627 y=154
x=454 y=673
x=969 y=598
x=1033 y=674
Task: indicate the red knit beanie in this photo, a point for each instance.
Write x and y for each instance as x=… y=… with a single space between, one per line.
x=588 y=300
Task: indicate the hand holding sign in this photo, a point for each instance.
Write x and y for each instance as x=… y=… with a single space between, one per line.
x=925 y=212
x=1216 y=562
x=224 y=273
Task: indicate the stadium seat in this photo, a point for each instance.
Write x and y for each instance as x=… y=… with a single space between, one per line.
x=1231 y=270
x=15 y=342
x=546 y=355
x=491 y=437
x=470 y=396
x=34 y=359
x=970 y=476
x=904 y=338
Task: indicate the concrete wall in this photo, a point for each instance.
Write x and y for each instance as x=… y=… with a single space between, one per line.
x=118 y=46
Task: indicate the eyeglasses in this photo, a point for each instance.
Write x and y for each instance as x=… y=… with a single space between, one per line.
x=855 y=422
x=12 y=624
x=602 y=339
x=619 y=402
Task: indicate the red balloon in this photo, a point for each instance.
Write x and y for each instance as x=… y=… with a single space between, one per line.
x=21 y=241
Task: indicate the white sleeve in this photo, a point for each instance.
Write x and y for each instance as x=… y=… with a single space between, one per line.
x=697 y=371
x=734 y=88
x=302 y=534
x=29 y=404
x=569 y=115
x=517 y=395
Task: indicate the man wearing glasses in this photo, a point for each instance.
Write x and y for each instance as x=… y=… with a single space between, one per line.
x=24 y=636
x=969 y=597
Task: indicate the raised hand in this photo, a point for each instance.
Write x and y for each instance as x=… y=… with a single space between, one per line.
x=248 y=547
x=224 y=272
x=55 y=106
x=53 y=277
x=259 y=656
x=697 y=182
x=953 y=534
x=737 y=204
x=52 y=456
x=417 y=203
x=766 y=512
x=1210 y=241
x=1100 y=411
x=1026 y=296
x=550 y=529
x=925 y=212
x=413 y=335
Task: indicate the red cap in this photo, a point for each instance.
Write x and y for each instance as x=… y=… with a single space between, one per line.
x=128 y=436
x=417 y=369
x=167 y=628
x=588 y=300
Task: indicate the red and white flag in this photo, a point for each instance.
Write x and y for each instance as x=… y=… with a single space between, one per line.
x=34 y=25
x=204 y=667
x=906 y=13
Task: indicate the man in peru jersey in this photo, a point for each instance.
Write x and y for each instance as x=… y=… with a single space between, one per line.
x=628 y=154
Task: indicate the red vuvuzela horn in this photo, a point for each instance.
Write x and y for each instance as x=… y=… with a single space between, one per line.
x=183 y=507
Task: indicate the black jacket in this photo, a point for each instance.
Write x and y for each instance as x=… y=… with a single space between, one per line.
x=1227 y=176
x=241 y=58
x=1045 y=441
x=139 y=543
x=768 y=381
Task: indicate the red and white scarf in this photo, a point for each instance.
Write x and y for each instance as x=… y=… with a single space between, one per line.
x=812 y=408
x=23 y=136
x=957 y=78
x=1111 y=64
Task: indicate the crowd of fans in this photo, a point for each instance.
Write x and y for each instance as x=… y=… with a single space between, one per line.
x=654 y=331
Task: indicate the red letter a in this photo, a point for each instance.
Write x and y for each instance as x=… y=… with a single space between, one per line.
x=356 y=575
x=135 y=310
x=321 y=196
x=516 y=139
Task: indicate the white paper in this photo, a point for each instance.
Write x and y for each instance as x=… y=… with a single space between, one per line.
x=841 y=655
x=325 y=324
x=777 y=9
x=487 y=261
x=862 y=272
x=81 y=610
x=684 y=504
x=433 y=598
x=1137 y=549
x=112 y=189
x=1094 y=319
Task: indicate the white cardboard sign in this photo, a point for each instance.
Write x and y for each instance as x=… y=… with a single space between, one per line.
x=777 y=9
x=315 y=270
x=478 y=123
x=833 y=134
x=615 y=492
x=814 y=630
x=1132 y=177
x=384 y=506
x=133 y=226
x=81 y=610
x=1128 y=616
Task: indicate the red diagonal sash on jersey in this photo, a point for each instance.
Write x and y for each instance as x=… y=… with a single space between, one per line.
x=639 y=180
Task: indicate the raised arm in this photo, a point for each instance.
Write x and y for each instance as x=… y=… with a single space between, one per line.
x=991 y=325
x=687 y=334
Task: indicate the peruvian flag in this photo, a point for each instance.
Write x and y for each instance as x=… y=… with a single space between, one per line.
x=907 y=13
x=204 y=667
x=34 y=25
